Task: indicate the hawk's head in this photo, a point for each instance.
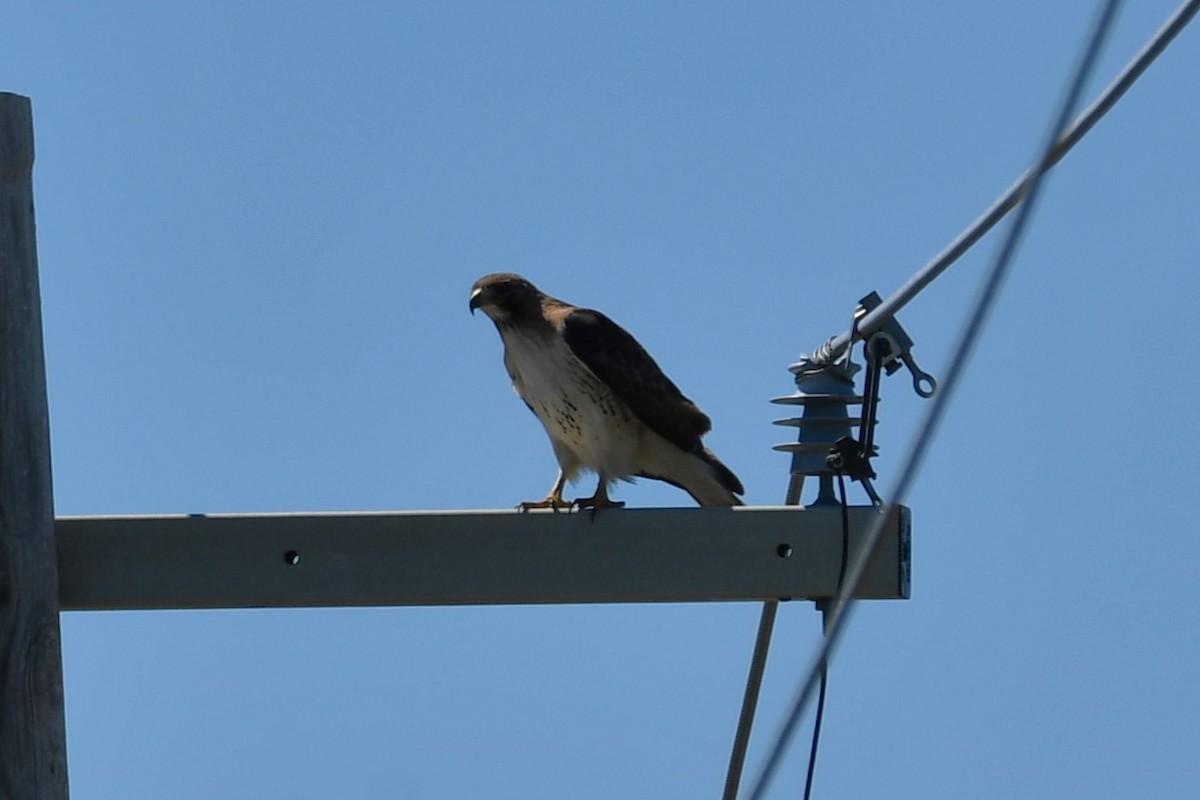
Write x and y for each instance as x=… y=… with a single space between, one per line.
x=506 y=298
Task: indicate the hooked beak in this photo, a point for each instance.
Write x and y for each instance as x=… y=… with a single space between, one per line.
x=476 y=300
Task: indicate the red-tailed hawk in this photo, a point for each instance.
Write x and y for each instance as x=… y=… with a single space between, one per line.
x=606 y=405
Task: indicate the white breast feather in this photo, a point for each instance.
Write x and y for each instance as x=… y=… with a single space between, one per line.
x=578 y=411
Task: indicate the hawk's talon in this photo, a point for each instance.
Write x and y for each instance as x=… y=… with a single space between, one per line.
x=598 y=502
x=597 y=505
x=552 y=502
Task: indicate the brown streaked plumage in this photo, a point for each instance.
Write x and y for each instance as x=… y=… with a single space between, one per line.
x=604 y=402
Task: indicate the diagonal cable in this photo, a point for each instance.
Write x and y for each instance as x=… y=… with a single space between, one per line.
x=758 y=665
x=961 y=354
x=1070 y=137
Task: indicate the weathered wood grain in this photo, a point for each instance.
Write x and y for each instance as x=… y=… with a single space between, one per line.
x=33 y=762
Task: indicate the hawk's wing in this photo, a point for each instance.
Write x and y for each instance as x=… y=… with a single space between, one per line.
x=617 y=359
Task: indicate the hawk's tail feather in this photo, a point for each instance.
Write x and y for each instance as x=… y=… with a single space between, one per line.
x=724 y=474
x=704 y=477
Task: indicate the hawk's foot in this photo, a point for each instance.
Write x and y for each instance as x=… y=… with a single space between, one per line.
x=551 y=501
x=597 y=503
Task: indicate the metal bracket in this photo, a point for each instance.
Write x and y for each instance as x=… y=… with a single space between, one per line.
x=899 y=347
x=850 y=456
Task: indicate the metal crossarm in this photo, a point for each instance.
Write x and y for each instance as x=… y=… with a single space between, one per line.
x=473 y=557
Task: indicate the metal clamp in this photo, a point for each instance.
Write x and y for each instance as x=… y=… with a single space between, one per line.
x=898 y=349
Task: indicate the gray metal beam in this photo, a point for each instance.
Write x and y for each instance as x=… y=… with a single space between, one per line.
x=471 y=557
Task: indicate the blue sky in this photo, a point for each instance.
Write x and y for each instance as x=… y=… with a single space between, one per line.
x=258 y=224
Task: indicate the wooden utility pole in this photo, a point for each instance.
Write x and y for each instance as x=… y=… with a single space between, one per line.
x=33 y=750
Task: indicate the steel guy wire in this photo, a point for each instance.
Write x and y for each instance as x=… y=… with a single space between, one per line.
x=758 y=665
x=961 y=354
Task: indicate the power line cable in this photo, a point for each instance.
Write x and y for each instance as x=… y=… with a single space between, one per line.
x=1007 y=201
x=961 y=353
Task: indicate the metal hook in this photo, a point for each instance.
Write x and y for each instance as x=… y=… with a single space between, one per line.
x=924 y=384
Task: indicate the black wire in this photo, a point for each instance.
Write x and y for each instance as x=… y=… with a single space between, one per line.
x=820 y=715
x=812 y=754
x=845 y=533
